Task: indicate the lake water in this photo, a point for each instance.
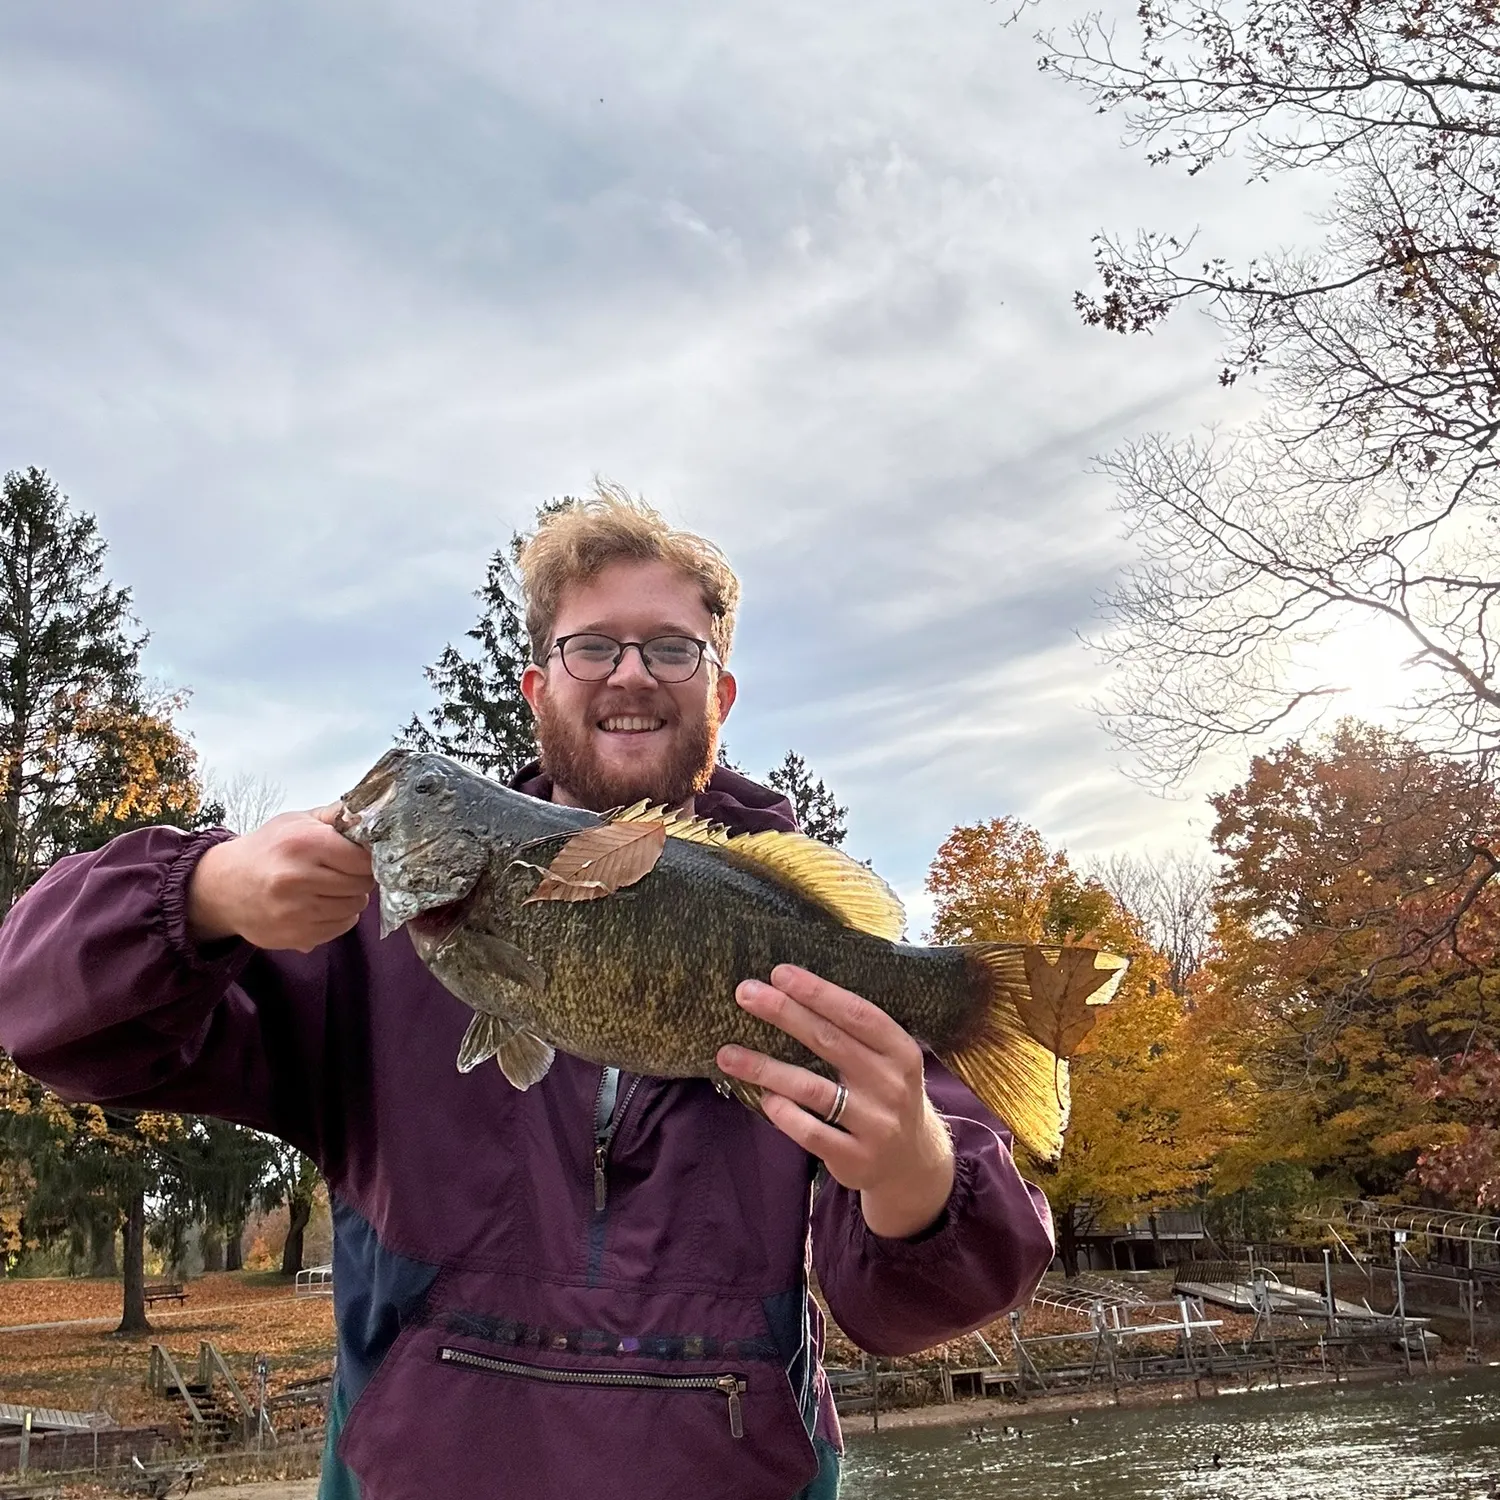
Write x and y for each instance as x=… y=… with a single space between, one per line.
x=1427 y=1440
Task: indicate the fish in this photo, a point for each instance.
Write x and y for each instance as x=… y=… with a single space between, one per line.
x=620 y=938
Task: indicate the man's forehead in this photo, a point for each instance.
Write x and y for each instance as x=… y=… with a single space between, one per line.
x=644 y=595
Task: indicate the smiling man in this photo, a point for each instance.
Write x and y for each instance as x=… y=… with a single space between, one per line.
x=601 y=1284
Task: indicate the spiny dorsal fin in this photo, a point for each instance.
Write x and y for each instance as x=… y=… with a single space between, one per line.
x=854 y=895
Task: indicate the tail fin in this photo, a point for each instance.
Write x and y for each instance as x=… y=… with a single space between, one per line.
x=1037 y=1004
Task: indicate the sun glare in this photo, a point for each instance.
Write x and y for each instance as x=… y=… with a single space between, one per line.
x=1367 y=661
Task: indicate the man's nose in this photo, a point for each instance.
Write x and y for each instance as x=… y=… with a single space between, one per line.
x=630 y=670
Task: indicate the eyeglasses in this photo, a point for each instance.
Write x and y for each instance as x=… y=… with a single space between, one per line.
x=668 y=658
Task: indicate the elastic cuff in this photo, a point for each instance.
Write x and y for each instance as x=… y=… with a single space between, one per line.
x=172 y=905
x=932 y=1242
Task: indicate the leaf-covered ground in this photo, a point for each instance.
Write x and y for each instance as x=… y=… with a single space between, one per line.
x=92 y=1368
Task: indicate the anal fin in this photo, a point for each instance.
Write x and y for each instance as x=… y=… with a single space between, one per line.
x=751 y=1095
x=525 y=1058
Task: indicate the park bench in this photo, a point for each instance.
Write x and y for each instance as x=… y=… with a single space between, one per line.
x=165 y=1291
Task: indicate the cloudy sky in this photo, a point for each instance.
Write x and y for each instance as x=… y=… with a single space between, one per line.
x=313 y=301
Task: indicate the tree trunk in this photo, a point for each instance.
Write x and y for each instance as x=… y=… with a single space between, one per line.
x=299 y=1211
x=234 y=1248
x=1067 y=1242
x=102 y=1260
x=133 y=1319
x=211 y=1244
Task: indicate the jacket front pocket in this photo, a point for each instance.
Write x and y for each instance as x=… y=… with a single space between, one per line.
x=443 y=1416
x=728 y=1386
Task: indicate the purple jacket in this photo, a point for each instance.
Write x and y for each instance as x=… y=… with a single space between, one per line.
x=505 y=1327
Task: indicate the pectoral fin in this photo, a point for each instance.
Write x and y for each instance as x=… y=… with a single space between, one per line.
x=484 y=1038
x=507 y=959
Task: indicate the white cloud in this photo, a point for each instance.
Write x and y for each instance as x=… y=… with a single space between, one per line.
x=314 y=303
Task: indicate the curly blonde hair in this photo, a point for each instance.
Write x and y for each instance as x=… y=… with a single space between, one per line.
x=581 y=537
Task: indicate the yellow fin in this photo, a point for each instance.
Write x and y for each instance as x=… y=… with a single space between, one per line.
x=846 y=889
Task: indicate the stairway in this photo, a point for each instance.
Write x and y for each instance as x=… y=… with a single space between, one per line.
x=220 y=1424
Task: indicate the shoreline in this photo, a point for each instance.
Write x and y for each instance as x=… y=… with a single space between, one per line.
x=981 y=1410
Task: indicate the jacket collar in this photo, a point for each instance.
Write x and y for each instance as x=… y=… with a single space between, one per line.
x=729 y=798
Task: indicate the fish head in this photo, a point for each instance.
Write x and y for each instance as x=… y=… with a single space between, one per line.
x=423 y=819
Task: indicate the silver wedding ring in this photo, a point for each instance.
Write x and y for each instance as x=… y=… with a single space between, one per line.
x=836 y=1114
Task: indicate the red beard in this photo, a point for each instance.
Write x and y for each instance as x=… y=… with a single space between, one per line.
x=568 y=758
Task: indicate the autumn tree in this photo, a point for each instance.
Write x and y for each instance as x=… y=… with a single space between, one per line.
x=292 y=1180
x=818 y=814
x=1151 y=1103
x=1357 y=931
x=87 y=1166
x=1364 y=489
x=69 y=654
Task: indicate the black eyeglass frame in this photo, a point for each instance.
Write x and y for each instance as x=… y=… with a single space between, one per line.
x=706 y=653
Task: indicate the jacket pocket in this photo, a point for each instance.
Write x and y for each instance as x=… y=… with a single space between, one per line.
x=445 y=1415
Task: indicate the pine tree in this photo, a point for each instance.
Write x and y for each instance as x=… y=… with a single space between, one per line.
x=481 y=717
x=818 y=815
x=69 y=654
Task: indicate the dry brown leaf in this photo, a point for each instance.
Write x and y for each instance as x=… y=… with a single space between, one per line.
x=1057 y=1010
x=599 y=861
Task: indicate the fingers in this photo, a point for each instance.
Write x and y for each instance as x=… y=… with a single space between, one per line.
x=841 y=1027
x=814 y=1093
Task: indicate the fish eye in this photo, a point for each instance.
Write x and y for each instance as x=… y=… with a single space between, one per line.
x=425 y=784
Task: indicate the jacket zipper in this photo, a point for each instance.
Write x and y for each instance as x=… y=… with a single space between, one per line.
x=604 y=1135
x=731 y=1386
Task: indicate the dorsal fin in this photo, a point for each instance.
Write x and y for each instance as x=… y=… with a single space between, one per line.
x=846 y=889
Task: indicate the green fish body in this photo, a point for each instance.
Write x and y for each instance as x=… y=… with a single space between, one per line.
x=641 y=975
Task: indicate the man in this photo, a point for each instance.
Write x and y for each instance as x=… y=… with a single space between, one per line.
x=599 y=1285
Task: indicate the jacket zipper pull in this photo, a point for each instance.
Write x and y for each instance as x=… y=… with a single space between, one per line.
x=601 y=1183
x=732 y=1386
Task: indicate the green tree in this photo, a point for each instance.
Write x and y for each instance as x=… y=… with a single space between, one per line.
x=818 y=814
x=480 y=717
x=293 y=1180
x=69 y=673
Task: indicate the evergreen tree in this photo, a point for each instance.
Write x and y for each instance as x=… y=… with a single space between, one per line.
x=69 y=654
x=481 y=717
x=818 y=815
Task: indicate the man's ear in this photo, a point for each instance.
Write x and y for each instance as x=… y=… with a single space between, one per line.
x=726 y=691
x=533 y=684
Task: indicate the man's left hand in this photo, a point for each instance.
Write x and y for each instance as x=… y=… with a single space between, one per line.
x=889 y=1145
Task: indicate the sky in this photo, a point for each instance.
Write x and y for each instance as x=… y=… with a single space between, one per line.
x=312 y=302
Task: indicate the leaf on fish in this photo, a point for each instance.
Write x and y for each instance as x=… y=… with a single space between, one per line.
x=1060 y=1004
x=600 y=861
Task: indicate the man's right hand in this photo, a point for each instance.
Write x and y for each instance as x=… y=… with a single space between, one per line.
x=293 y=883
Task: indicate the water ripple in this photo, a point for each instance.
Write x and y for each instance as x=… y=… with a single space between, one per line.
x=1427 y=1440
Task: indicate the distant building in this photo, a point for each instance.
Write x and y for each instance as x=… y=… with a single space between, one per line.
x=1165 y=1238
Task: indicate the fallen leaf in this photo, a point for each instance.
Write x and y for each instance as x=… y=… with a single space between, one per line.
x=601 y=860
x=1063 y=996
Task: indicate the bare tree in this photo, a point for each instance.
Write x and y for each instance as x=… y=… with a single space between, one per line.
x=1367 y=489
x=247 y=800
x=1172 y=895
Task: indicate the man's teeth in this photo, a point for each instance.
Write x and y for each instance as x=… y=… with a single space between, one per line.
x=631 y=725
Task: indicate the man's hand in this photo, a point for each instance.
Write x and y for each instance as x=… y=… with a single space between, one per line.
x=889 y=1144
x=293 y=883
